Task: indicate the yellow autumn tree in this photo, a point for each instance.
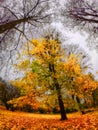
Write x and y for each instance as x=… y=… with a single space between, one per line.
x=53 y=72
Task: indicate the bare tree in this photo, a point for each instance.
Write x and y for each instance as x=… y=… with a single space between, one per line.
x=83 y=14
x=19 y=20
x=30 y=12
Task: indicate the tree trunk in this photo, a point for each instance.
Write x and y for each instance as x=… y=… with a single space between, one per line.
x=11 y=25
x=62 y=110
x=78 y=105
x=61 y=104
x=78 y=100
x=7 y=106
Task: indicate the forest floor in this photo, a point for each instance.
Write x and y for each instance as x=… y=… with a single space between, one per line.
x=28 y=121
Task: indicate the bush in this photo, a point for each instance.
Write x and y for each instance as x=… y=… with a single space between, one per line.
x=24 y=103
x=28 y=108
x=69 y=110
x=42 y=110
x=55 y=110
x=82 y=106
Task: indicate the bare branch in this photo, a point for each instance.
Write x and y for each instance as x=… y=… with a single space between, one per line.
x=10 y=11
x=32 y=15
x=82 y=11
x=16 y=23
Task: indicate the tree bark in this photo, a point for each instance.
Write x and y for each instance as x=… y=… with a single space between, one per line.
x=61 y=103
x=12 y=24
x=6 y=105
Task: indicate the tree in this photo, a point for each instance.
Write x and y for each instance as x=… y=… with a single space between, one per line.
x=31 y=12
x=84 y=63
x=83 y=14
x=7 y=92
x=68 y=50
x=85 y=85
x=47 y=54
x=83 y=88
x=95 y=97
x=17 y=19
x=49 y=59
x=54 y=72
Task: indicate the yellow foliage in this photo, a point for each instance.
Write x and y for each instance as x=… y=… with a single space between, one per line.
x=50 y=64
x=23 y=65
x=29 y=99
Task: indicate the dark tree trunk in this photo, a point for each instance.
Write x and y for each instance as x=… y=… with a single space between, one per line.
x=78 y=100
x=61 y=104
x=12 y=24
x=62 y=110
x=7 y=106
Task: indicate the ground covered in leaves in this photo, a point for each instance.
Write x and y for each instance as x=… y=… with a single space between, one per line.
x=26 y=121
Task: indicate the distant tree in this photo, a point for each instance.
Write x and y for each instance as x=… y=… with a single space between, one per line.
x=7 y=92
x=95 y=97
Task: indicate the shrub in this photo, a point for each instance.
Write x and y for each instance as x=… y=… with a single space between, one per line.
x=42 y=110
